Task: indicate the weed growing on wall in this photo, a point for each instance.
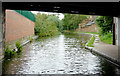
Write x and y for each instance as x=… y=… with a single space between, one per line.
x=8 y=52
x=19 y=47
x=31 y=39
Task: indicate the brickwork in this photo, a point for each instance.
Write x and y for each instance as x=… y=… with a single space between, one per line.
x=91 y=28
x=17 y=26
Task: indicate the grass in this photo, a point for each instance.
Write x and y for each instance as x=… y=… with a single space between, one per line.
x=72 y=31
x=107 y=38
x=91 y=41
x=86 y=32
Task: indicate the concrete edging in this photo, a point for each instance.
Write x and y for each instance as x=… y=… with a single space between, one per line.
x=1 y=57
x=23 y=44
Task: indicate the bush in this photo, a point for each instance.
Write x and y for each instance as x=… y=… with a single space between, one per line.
x=107 y=38
x=105 y=28
x=9 y=53
x=105 y=23
x=72 y=21
x=46 y=25
x=19 y=47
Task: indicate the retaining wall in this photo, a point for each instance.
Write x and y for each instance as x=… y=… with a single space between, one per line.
x=91 y=28
x=17 y=26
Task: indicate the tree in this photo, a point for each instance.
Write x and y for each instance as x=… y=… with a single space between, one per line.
x=105 y=23
x=57 y=21
x=71 y=21
x=44 y=26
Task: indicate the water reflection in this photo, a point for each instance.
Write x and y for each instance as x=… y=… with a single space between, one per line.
x=63 y=54
x=107 y=69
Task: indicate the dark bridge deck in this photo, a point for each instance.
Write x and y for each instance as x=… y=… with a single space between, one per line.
x=91 y=8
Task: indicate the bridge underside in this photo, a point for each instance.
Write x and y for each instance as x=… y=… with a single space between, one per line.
x=89 y=8
x=104 y=9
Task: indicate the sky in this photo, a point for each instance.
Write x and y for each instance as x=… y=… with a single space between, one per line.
x=61 y=16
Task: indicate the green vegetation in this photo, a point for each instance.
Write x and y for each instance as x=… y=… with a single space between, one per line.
x=91 y=41
x=65 y=31
x=105 y=28
x=47 y=25
x=27 y=14
x=72 y=21
x=105 y=24
x=31 y=39
x=57 y=21
x=8 y=52
x=19 y=47
x=86 y=32
x=107 y=38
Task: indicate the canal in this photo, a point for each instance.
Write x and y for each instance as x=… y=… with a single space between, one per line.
x=62 y=54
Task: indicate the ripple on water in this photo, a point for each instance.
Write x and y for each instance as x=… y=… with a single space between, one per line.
x=64 y=54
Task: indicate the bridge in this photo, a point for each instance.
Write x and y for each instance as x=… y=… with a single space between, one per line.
x=103 y=9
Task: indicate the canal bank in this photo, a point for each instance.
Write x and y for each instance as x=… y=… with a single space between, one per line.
x=62 y=54
x=107 y=51
x=23 y=41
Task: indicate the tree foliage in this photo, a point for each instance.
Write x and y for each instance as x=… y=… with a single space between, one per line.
x=57 y=22
x=46 y=25
x=105 y=23
x=71 y=21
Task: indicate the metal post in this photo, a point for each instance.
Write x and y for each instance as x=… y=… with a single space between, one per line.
x=113 y=27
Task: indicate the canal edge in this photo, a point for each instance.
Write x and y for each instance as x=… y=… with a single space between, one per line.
x=93 y=50
x=28 y=41
x=22 y=44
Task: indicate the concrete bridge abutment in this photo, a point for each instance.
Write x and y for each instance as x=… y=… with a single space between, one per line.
x=118 y=31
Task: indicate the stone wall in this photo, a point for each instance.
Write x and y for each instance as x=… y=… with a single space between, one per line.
x=2 y=22
x=17 y=26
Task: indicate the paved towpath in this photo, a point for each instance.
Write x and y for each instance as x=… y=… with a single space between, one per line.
x=107 y=50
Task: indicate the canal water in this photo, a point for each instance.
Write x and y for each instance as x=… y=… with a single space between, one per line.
x=62 y=54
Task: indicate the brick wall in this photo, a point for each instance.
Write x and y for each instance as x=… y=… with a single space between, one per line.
x=17 y=26
x=92 y=28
